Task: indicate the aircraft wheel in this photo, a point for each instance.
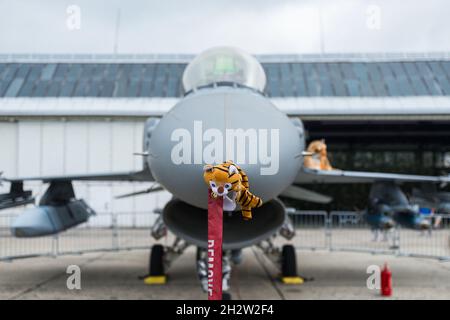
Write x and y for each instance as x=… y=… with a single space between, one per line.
x=226 y=296
x=288 y=261
x=156 y=261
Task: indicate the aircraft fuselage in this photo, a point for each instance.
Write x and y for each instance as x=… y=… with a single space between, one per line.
x=213 y=125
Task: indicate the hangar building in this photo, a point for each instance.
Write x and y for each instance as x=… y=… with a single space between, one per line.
x=64 y=114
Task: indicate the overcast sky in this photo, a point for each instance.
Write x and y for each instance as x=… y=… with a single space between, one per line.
x=257 y=26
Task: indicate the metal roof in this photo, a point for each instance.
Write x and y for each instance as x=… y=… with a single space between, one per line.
x=308 y=108
x=360 y=78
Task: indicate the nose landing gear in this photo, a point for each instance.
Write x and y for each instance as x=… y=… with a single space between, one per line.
x=202 y=272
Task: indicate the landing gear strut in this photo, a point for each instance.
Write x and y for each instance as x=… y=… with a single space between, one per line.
x=202 y=271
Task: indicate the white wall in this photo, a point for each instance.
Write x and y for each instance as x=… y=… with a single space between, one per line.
x=58 y=147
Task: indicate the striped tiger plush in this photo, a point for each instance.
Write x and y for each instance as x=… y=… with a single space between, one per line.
x=319 y=159
x=230 y=182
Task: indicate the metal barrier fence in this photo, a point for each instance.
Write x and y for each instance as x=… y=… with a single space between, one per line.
x=103 y=232
x=315 y=230
x=348 y=231
x=312 y=230
x=435 y=243
x=352 y=233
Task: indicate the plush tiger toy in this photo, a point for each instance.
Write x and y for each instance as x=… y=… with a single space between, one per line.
x=230 y=182
x=318 y=159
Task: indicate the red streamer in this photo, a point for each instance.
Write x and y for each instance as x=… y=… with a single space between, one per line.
x=215 y=237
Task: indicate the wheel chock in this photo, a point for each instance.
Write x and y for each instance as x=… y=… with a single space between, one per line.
x=292 y=280
x=155 y=280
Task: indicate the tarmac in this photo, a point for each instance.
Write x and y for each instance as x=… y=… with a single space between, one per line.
x=116 y=275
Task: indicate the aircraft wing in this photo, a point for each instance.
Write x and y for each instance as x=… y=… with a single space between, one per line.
x=144 y=175
x=17 y=196
x=308 y=176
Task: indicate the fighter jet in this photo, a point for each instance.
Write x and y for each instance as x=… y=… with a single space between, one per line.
x=387 y=206
x=427 y=196
x=223 y=115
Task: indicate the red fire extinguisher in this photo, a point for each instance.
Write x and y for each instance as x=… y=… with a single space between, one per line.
x=386 y=281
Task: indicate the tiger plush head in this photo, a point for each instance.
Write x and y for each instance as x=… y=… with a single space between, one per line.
x=318 y=147
x=229 y=181
x=222 y=178
x=318 y=158
x=225 y=181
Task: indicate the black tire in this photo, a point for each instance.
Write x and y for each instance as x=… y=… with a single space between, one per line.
x=288 y=261
x=226 y=296
x=156 y=261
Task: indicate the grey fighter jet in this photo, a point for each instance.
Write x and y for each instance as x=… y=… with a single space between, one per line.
x=224 y=115
x=429 y=197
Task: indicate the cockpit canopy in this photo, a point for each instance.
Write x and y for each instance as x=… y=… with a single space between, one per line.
x=224 y=64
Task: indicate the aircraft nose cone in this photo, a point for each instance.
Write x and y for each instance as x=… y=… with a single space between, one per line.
x=215 y=125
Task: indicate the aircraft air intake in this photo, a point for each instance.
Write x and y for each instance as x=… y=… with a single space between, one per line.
x=190 y=223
